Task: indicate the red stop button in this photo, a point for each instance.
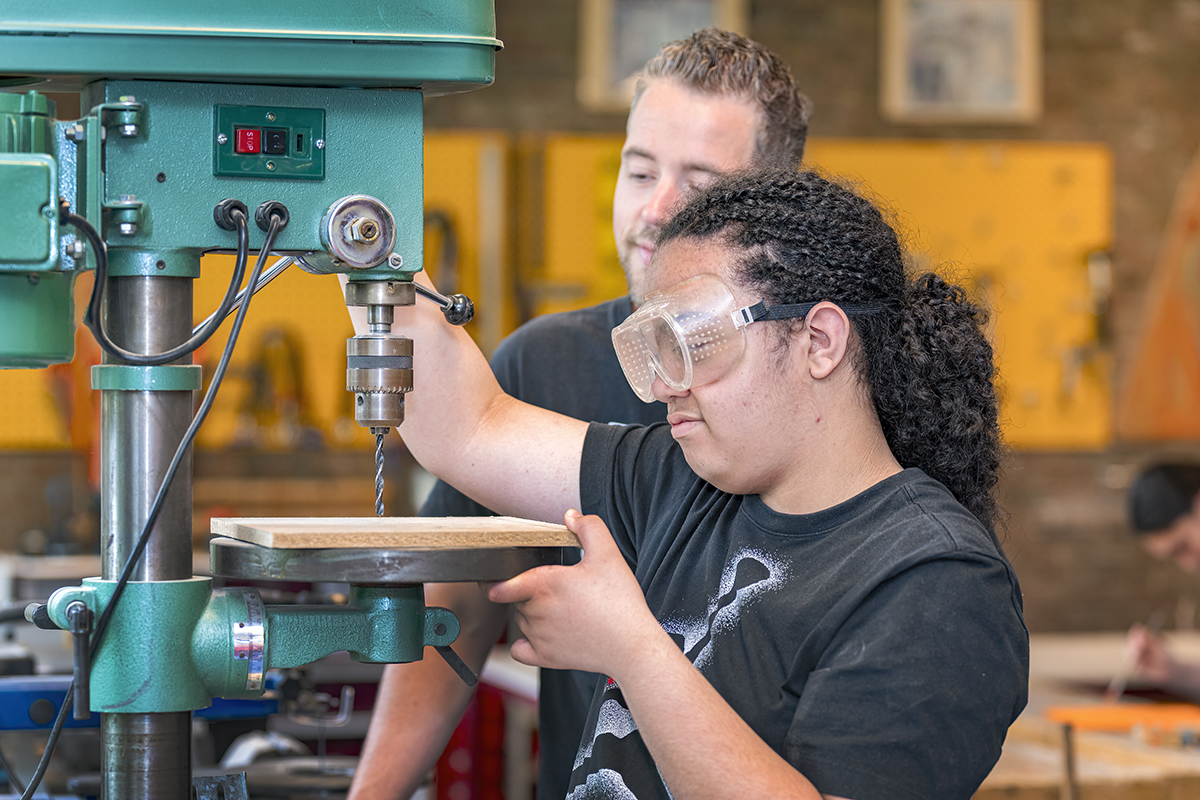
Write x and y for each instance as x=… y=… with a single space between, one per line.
x=247 y=140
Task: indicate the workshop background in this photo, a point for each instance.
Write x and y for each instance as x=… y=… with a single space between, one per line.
x=1081 y=226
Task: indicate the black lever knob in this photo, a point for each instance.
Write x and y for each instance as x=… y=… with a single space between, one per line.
x=79 y=618
x=39 y=615
x=457 y=308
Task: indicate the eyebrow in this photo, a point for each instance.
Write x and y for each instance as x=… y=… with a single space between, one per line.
x=691 y=166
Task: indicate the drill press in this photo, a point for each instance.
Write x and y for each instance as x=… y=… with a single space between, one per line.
x=218 y=127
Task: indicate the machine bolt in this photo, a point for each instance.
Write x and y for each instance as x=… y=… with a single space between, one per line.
x=395 y=261
x=271 y=165
x=76 y=133
x=320 y=144
x=127 y=198
x=222 y=138
x=364 y=230
x=127 y=228
x=128 y=127
x=270 y=116
x=75 y=249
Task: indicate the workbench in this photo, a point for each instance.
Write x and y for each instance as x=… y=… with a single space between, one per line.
x=1070 y=671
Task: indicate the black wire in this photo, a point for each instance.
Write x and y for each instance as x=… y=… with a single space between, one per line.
x=12 y=776
x=93 y=317
x=201 y=413
x=155 y=508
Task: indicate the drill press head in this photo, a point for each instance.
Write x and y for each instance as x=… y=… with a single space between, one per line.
x=379 y=363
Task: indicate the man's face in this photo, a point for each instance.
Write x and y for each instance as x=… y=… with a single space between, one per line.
x=1180 y=542
x=676 y=140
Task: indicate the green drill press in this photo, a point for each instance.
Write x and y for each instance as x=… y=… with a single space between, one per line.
x=303 y=125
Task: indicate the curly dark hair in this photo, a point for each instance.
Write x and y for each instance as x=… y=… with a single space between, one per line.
x=922 y=355
x=713 y=61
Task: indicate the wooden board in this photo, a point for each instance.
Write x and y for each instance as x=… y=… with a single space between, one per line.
x=408 y=533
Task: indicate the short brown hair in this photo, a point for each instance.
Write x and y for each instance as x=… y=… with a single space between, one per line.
x=713 y=61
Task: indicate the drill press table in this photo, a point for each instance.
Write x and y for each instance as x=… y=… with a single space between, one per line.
x=385 y=550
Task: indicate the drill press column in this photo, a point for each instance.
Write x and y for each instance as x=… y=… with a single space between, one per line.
x=146 y=755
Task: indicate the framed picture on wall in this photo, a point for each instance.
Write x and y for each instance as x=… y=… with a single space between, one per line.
x=617 y=37
x=961 y=61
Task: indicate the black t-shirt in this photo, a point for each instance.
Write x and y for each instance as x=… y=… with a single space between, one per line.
x=877 y=645
x=564 y=362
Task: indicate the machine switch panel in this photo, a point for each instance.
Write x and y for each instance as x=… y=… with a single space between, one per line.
x=268 y=142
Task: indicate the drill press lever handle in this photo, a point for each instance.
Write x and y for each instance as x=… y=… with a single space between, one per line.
x=79 y=617
x=457 y=664
x=457 y=308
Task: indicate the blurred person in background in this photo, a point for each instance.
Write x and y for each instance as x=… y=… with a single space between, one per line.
x=1164 y=513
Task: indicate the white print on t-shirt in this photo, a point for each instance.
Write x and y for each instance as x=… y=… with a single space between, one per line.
x=747 y=576
x=614 y=720
x=606 y=784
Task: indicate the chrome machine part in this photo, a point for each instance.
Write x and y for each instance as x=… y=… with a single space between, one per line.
x=146 y=755
x=249 y=639
x=357 y=232
x=379 y=363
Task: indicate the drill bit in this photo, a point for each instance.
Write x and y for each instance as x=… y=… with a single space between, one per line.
x=379 y=473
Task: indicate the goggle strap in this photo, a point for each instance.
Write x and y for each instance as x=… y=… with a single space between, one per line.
x=760 y=311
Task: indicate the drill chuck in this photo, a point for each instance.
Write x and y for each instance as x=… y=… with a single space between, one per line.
x=379 y=373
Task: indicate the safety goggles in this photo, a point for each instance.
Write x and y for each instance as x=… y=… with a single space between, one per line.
x=690 y=334
x=693 y=333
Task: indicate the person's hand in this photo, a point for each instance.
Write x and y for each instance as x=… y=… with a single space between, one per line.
x=587 y=616
x=1150 y=658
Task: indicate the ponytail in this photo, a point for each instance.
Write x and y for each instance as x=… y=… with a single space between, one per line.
x=933 y=389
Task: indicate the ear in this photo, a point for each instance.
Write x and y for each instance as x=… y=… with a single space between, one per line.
x=828 y=338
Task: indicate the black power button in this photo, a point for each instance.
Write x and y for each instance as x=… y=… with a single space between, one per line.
x=274 y=141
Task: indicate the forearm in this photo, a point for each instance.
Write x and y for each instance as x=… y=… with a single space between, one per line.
x=419 y=704
x=702 y=748
x=512 y=457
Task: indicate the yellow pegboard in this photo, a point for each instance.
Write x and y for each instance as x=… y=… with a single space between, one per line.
x=581 y=266
x=1016 y=222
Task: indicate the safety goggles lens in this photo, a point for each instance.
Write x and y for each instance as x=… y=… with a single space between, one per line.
x=685 y=335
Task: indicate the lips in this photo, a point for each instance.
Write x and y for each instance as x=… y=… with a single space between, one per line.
x=681 y=424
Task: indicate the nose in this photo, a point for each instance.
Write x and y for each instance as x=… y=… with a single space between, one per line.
x=657 y=208
x=662 y=392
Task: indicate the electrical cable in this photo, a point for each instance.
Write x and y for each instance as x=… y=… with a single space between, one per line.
x=12 y=776
x=93 y=317
x=156 y=507
x=271 y=274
